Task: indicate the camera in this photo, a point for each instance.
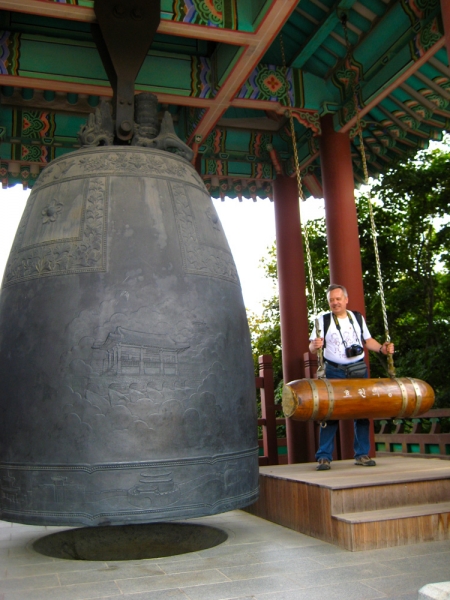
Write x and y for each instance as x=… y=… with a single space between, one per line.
x=354 y=350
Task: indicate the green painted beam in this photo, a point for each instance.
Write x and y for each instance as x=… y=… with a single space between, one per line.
x=224 y=59
x=56 y=59
x=321 y=34
x=251 y=12
x=398 y=51
x=385 y=58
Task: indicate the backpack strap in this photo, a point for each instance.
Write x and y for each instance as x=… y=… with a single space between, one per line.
x=359 y=318
x=326 y=326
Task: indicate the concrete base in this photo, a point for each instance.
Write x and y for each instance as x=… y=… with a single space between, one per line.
x=259 y=560
x=435 y=591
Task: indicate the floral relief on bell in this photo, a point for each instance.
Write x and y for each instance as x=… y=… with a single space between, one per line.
x=51 y=211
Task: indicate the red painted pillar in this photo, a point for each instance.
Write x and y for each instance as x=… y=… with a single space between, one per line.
x=340 y=212
x=268 y=411
x=342 y=232
x=293 y=308
x=445 y=9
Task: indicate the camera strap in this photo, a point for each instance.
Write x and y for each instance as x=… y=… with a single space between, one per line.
x=327 y=321
x=338 y=327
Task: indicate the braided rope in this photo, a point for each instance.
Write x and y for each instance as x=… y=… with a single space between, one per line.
x=390 y=360
x=320 y=369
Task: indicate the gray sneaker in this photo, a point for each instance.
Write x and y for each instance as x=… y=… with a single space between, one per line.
x=324 y=465
x=365 y=461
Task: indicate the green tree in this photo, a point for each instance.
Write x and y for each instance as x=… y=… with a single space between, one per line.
x=317 y=241
x=411 y=210
x=265 y=328
x=411 y=207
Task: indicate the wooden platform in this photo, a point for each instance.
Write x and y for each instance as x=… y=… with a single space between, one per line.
x=401 y=501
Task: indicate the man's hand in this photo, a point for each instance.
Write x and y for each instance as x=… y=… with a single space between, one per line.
x=387 y=348
x=374 y=346
x=315 y=344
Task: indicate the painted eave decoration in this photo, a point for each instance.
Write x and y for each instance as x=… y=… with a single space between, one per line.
x=229 y=72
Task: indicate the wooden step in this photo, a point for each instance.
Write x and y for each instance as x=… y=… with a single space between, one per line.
x=403 y=500
x=399 y=512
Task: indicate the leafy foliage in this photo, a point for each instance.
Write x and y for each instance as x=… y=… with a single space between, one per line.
x=265 y=328
x=317 y=241
x=411 y=211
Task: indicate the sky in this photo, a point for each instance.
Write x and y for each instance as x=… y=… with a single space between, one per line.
x=12 y=203
x=249 y=227
x=250 y=230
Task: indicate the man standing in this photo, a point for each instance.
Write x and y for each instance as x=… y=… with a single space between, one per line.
x=344 y=334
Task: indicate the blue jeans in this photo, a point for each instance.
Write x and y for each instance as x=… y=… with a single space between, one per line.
x=361 y=443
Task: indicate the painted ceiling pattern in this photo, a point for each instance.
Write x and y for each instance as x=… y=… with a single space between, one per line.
x=230 y=73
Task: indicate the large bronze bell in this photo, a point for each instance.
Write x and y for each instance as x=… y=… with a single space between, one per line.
x=127 y=391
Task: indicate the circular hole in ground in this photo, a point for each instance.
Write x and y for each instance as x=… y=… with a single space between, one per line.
x=129 y=542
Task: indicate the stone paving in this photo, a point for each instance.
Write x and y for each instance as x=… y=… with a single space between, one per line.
x=259 y=561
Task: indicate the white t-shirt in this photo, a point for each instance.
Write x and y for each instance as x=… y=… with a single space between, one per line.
x=335 y=348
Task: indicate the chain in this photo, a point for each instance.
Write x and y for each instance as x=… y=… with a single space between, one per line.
x=320 y=365
x=390 y=359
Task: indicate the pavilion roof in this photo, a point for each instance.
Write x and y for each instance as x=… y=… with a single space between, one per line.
x=218 y=67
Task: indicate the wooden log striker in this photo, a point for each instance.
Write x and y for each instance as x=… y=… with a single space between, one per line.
x=325 y=399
